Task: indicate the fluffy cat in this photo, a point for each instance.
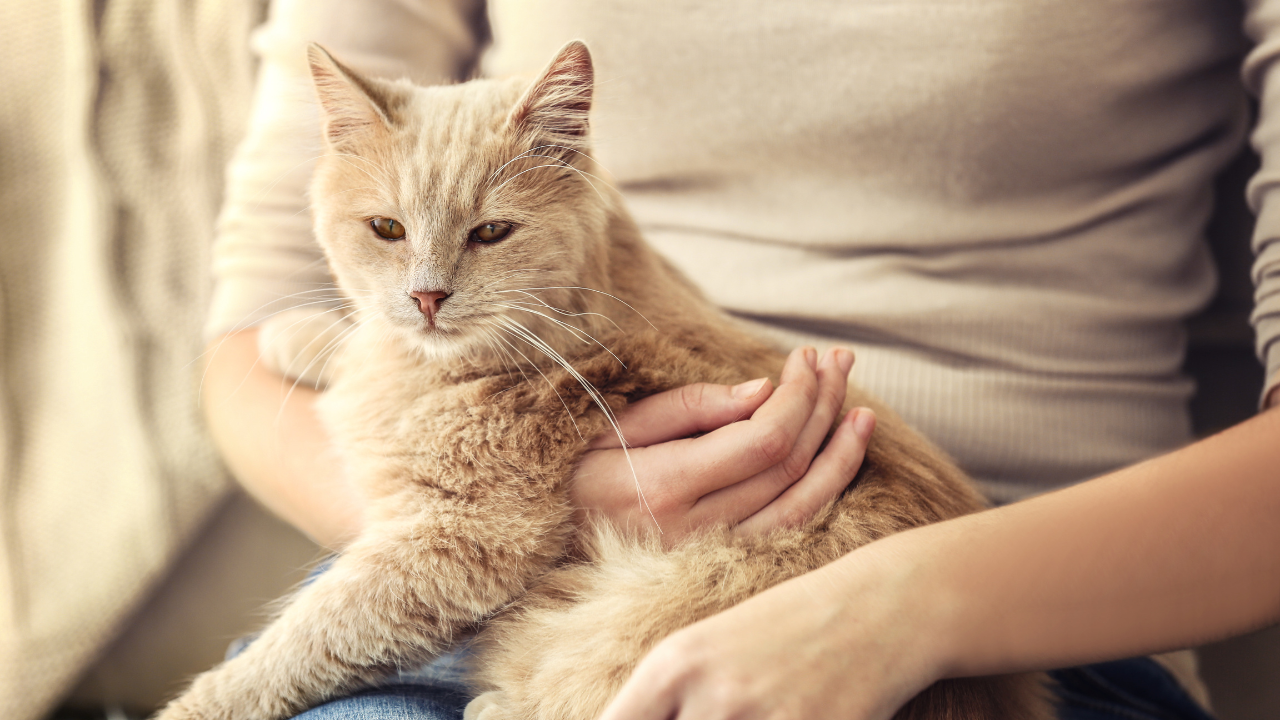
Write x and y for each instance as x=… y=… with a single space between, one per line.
x=467 y=229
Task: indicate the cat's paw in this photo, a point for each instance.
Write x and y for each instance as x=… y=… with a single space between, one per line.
x=488 y=706
x=202 y=703
x=300 y=343
x=179 y=710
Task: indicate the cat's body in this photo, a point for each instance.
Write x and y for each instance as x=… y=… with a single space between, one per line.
x=464 y=433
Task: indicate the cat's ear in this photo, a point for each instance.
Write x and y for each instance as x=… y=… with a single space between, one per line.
x=554 y=109
x=352 y=106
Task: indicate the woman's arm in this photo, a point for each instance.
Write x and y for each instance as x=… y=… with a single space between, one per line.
x=1170 y=553
x=271 y=438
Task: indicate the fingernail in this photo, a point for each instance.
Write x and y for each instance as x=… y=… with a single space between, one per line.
x=811 y=356
x=749 y=388
x=845 y=358
x=863 y=423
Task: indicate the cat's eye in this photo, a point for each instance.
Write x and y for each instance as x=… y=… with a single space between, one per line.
x=490 y=232
x=387 y=228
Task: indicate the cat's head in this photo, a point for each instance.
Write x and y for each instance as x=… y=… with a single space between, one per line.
x=457 y=217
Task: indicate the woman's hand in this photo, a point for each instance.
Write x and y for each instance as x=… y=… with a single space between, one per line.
x=1172 y=552
x=844 y=643
x=757 y=474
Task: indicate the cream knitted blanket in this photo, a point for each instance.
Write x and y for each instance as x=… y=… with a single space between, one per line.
x=116 y=120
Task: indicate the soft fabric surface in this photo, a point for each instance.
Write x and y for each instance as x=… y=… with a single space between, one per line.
x=116 y=121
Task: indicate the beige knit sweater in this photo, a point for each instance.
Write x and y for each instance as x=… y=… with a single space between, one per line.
x=998 y=203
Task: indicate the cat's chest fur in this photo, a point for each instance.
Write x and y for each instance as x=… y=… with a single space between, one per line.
x=457 y=428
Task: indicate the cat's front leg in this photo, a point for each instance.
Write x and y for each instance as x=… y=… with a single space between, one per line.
x=400 y=595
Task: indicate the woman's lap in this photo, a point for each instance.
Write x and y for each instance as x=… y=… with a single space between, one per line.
x=393 y=702
x=1135 y=689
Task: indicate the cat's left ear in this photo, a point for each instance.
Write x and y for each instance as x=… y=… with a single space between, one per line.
x=353 y=106
x=554 y=109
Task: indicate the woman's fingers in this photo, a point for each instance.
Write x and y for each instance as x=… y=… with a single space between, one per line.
x=828 y=476
x=652 y=693
x=685 y=411
x=737 y=469
x=739 y=501
x=744 y=449
x=834 y=643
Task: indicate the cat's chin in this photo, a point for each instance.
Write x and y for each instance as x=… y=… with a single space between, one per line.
x=440 y=345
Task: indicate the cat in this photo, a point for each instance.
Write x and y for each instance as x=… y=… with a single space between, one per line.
x=505 y=309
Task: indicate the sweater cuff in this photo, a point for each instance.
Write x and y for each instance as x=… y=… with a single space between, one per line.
x=1266 y=279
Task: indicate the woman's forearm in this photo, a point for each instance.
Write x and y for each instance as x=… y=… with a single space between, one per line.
x=1170 y=553
x=273 y=441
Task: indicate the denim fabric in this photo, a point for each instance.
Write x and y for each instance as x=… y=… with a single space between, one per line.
x=435 y=691
x=394 y=702
x=1133 y=689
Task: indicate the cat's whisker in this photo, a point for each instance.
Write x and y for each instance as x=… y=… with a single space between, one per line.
x=533 y=152
x=528 y=153
x=342 y=337
x=550 y=384
x=609 y=295
x=564 y=164
x=578 y=333
x=595 y=396
x=582 y=335
x=549 y=165
x=562 y=311
x=212 y=352
x=486 y=335
x=329 y=350
x=304 y=320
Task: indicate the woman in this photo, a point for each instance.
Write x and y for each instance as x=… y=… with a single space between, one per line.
x=998 y=205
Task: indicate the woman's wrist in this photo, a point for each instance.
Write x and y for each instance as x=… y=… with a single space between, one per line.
x=889 y=593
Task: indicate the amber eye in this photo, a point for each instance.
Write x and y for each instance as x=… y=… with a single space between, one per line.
x=490 y=232
x=387 y=228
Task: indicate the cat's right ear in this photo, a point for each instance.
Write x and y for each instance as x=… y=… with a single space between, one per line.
x=352 y=107
x=554 y=110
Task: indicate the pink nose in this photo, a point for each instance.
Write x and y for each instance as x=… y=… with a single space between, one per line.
x=429 y=303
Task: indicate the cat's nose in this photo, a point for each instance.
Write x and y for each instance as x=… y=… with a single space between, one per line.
x=429 y=303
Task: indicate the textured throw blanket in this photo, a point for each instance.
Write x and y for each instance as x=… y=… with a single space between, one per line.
x=116 y=119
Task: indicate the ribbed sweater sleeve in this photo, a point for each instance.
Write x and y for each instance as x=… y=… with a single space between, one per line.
x=265 y=258
x=1261 y=76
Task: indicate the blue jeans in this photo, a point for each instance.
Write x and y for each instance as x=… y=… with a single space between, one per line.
x=393 y=702
x=1133 y=689
x=433 y=692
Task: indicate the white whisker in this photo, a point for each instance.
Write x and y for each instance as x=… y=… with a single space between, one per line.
x=524 y=334
x=609 y=295
x=582 y=335
x=550 y=384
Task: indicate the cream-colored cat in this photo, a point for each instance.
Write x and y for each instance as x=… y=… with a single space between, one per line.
x=503 y=296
